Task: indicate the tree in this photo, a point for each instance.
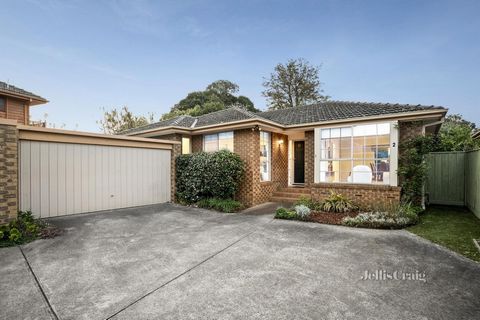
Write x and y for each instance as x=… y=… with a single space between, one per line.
x=217 y=96
x=115 y=121
x=293 y=84
x=456 y=134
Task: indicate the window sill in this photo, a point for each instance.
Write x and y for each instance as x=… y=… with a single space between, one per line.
x=346 y=185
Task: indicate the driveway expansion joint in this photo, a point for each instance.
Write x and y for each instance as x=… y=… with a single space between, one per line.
x=183 y=273
x=52 y=311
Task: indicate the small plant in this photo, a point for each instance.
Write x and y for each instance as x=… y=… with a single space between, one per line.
x=302 y=211
x=394 y=216
x=222 y=205
x=25 y=228
x=337 y=203
x=282 y=213
x=311 y=204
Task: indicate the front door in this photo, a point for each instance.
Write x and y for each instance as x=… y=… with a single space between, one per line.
x=299 y=162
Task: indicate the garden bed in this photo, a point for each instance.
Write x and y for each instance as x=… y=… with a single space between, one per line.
x=330 y=217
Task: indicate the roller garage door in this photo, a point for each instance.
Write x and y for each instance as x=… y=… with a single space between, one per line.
x=68 y=178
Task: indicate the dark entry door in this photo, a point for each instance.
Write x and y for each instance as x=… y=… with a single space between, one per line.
x=299 y=162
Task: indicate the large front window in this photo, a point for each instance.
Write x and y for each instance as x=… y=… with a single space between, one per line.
x=218 y=141
x=355 y=154
x=265 y=156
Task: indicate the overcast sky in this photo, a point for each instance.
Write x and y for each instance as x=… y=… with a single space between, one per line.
x=88 y=55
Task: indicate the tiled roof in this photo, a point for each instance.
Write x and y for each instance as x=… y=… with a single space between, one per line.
x=224 y=116
x=217 y=117
x=8 y=88
x=180 y=121
x=325 y=111
x=338 y=110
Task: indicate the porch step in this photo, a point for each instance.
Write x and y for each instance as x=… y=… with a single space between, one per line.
x=295 y=190
x=290 y=194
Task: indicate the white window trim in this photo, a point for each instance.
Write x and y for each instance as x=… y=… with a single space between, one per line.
x=393 y=152
x=269 y=157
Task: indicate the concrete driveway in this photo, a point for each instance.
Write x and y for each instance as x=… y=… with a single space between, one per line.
x=171 y=262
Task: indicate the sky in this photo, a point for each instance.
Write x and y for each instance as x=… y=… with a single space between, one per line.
x=87 y=55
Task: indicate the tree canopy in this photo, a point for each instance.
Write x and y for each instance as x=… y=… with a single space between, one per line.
x=293 y=84
x=217 y=96
x=456 y=134
x=115 y=121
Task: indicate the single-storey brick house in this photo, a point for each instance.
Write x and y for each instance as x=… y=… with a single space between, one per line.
x=349 y=147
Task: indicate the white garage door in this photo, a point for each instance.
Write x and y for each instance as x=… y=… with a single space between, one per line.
x=62 y=178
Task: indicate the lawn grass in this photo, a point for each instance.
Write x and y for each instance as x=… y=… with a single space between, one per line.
x=450 y=227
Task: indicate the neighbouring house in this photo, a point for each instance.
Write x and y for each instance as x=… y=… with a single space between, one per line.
x=349 y=147
x=15 y=103
x=476 y=135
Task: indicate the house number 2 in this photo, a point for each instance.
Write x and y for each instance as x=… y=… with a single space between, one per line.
x=393 y=144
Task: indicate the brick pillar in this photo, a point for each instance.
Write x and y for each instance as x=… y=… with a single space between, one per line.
x=309 y=157
x=176 y=151
x=8 y=170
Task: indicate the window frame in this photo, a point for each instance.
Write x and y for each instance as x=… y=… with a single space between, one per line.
x=218 y=140
x=268 y=156
x=381 y=127
x=4 y=107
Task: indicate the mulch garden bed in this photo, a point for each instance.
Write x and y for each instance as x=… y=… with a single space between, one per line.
x=330 y=217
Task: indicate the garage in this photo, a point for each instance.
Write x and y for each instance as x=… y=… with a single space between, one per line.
x=67 y=173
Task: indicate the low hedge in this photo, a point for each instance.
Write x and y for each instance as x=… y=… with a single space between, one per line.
x=208 y=175
x=222 y=205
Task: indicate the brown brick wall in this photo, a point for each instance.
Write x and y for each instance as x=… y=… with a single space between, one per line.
x=263 y=191
x=8 y=172
x=197 y=143
x=364 y=196
x=176 y=151
x=408 y=130
x=309 y=158
x=246 y=143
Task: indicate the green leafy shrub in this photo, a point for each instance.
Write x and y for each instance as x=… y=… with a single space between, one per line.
x=208 y=175
x=302 y=211
x=222 y=205
x=337 y=203
x=391 y=217
x=25 y=228
x=308 y=202
x=282 y=213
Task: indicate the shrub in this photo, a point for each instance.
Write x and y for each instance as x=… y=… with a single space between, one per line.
x=395 y=217
x=302 y=211
x=282 y=213
x=208 y=175
x=337 y=203
x=222 y=205
x=24 y=228
x=308 y=202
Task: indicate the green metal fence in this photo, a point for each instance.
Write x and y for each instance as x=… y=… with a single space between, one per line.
x=472 y=181
x=446 y=178
x=453 y=178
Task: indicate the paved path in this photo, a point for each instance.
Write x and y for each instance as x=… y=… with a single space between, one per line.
x=171 y=262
